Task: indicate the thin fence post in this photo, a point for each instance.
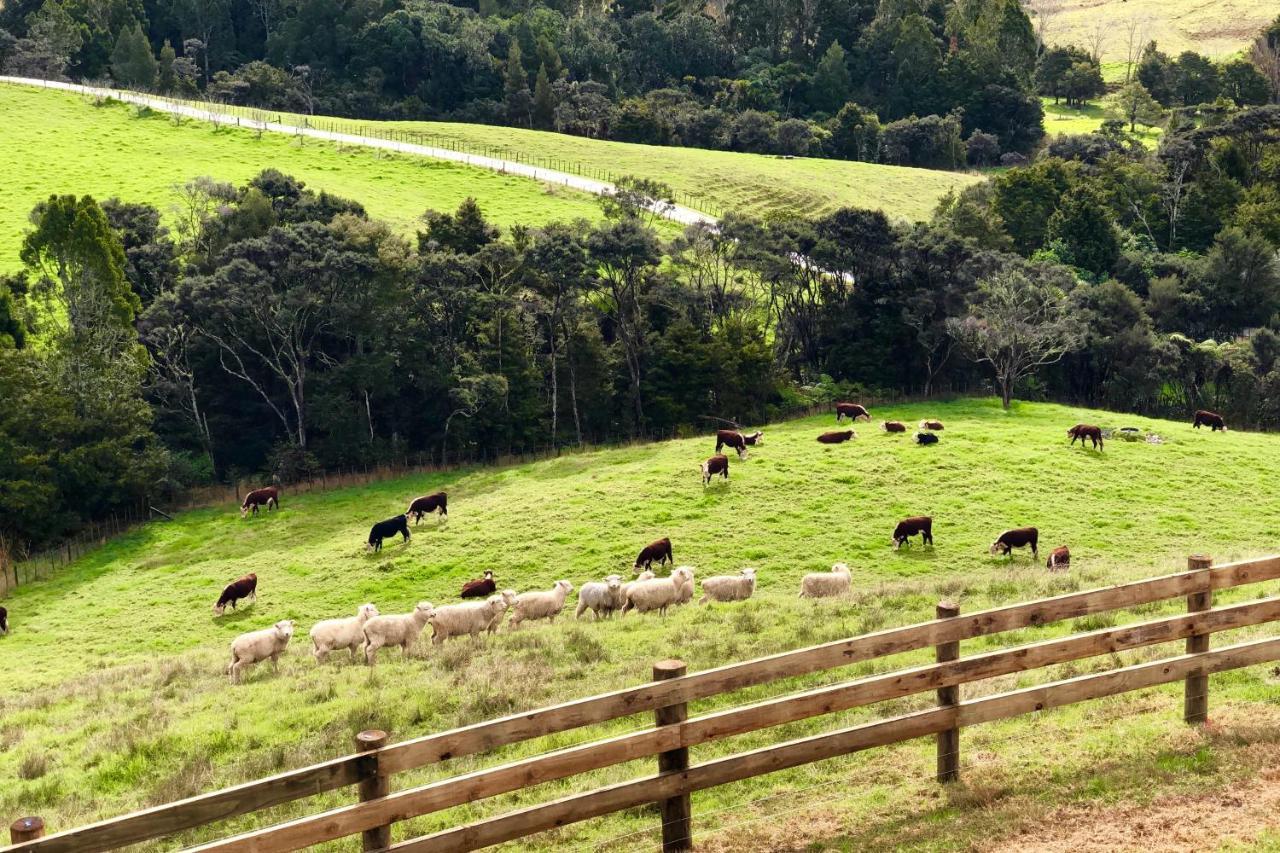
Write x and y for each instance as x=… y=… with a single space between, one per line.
x=374 y=785
x=677 y=830
x=948 y=697
x=26 y=829
x=1195 y=705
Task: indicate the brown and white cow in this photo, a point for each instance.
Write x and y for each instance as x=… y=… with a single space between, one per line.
x=928 y=423
x=756 y=438
x=731 y=438
x=480 y=587
x=427 y=504
x=852 y=411
x=659 y=550
x=836 y=437
x=243 y=587
x=1019 y=537
x=908 y=527
x=1086 y=432
x=718 y=464
x=894 y=426
x=1060 y=558
x=269 y=495
x=1213 y=420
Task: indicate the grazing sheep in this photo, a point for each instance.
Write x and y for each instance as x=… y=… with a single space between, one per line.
x=826 y=584
x=686 y=588
x=256 y=646
x=657 y=593
x=600 y=597
x=400 y=629
x=333 y=634
x=480 y=587
x=737 y=587
x=472 y=617
x=542 y=604
x=646 y=575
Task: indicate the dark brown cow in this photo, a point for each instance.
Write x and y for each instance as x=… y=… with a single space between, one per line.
x=756 y=438
x=1018 y=538
x=1086 y=431
x=894 y=426
x=926 y=438
x=480 y=587
x=731 y=438
x=660 y=551
x=1059 y=559
x=269 y=496
x=836 y=437
x=852 y=411
x=1213 y=420
x=245 y=587
x=908 y=527
x=390 y=527
x=718 y=464
x=427 y=504
x=930 y=424
x=4 y=621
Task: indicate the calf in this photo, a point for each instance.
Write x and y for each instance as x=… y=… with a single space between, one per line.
x=755 y=439
x=852 y=411
x=1213 y=420
x=836 y=437
x=1018 y=538
x=660 y=551
x=390 y=527
x=480 y=587
x=1059 y=559
x=732 y=439
x=4 y=621
x=245 y=587
x=894 y=426
x=1086 y=431
x=909 y=527
x=926 y=438
x=427 y=504
x=269 y=496
x=928 y=424
x=718 y=464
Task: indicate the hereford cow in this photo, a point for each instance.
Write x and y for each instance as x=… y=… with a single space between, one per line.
x=245 y=587
x=427 y=504
x=480 y=587
x=660 y=551
x=4 y=621
x=1086 y=431
x=1059 y=559
x=385 y=529
x=1018 y=538
x=1213 y=420
x=269 y=496
x=836 y=437
x=894 y=426
x=718 y=464
x=732 y=439
x=926 y=438
x=852 y=411
x=930 y=424
x=755 y=439
x=909 y=527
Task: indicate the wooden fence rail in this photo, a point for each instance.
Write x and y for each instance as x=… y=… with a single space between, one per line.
x=674 y=732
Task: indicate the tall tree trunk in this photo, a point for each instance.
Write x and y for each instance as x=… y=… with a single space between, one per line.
x=555 y=386
x=573 y=385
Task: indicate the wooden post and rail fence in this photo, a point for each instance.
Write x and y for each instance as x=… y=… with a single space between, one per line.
x=674 y=732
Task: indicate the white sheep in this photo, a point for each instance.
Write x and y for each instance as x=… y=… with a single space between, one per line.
x=542 y=604
x=333 y=634
x=686 y=588
x=826 y=584
x=255 y=646
x=601 y=597
x=508 y=596
x=400 y=629
x=657 y=593
x=469 y=617
x=737 y=587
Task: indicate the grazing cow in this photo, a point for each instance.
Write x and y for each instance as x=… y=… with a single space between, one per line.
x=1018 y=538
x=427 y=504
x=926 y=438
x=245 y=587
x=660 y=551
x=718 y=464
x=4 y=621
x=1213 y=420
x=894 y=426
x=269 y=496
x=755 y=439
x=385 y=529
x=930 y=424
x=836 y=437
x=1059 y=559
x=852 y=411
x=1086 y=431
x=732 y=439
x=480 y=587
x=908 y=527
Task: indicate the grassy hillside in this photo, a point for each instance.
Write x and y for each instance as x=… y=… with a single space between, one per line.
x=122 y=701
x=55 y=142
x=1060 y=119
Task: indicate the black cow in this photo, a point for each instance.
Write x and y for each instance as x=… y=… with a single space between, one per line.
x=909 y=527
x=1019 y=537
x=390 y=527
x=4 y=621
x=926 y=438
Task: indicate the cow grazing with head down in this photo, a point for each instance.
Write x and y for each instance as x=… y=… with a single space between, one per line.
x=1020 y=537
x=852 y=411
x=926 y=438
x=385 y=529
x=660 y=551
x=836 y=437
x=731 y=438
x=1086 y=432
x=244 y=587
x=427 y=504
x=480 y=587
x=1213 y=420
x=908 y=527
x=1060 y=558
x=269 y=496
x=718 y=464
x=755 y=439
x=894 y=426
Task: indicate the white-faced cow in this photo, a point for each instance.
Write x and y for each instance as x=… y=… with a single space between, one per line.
x=731 y=438
x=1060 y=558
x=852 y=411
x=718 y=464
x=269 y=496
x=931 y=424
x=756 y=438
x=1020 y=537
x=480 y=587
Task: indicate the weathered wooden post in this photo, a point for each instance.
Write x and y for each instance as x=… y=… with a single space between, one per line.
x=948 y=740
x=1195 y=704
x=26 y=829
x=373 y=785
x=677 y=830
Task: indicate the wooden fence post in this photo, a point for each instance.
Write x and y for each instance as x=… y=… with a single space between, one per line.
x=26 y=829
x=948 y=740
x=1195 y=703
x=373 y=785
x=677 y=830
